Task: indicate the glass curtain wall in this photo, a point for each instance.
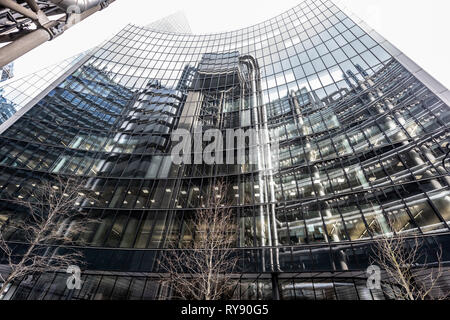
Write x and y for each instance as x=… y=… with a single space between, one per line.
x=361 y=143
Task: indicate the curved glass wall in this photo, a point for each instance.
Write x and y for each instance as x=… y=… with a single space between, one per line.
x=361 y=142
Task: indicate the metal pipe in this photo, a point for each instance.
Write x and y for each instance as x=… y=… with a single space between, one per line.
x=268 y=168
x=78 y=17
x=82 y=5
x=33 y=5
x=18 y=8
x=34 y=39
x=14 y=36
x=23 y=45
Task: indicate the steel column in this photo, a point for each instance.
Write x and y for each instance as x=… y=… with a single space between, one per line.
x=18 y=8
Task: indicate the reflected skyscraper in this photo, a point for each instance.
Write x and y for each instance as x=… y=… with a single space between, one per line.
x=7 y=72
x=6 y=108
x=362 y=135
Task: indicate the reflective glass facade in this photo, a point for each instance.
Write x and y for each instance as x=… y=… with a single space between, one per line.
x=18 y=94
x=7 y=72
x=362 y=140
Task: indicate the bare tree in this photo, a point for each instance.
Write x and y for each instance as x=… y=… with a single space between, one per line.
x=201 y=270
x=402 y=258
x=53 y=220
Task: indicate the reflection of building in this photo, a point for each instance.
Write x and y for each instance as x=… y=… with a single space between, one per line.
x=22 y=91
x=6 y=108
x=7 y=72
x=176 y=23
x=362 y=138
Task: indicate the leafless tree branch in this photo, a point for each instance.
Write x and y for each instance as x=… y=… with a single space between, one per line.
x=54 y=220
x=201 y=270
x=401 y=257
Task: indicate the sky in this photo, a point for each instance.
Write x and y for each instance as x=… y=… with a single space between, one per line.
x=418 y=28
